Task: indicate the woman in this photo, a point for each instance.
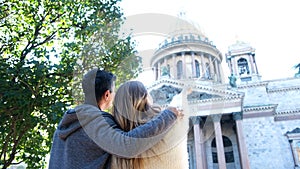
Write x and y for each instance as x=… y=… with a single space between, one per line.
x=171 y=152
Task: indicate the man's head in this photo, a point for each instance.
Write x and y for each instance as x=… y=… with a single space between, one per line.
x=104 y=88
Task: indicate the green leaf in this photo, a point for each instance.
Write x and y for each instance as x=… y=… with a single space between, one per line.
x=36 y=89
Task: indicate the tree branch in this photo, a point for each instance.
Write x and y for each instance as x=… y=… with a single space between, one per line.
x=16 y=142
x=31 y=43
x=17 y=163
x=2 y=49
x=5 y=146
x=6 y=12
x=58 y=74
x=36 y=33
x=32 y=46
x=47 y=39
x=28 y=87
x=54 y=19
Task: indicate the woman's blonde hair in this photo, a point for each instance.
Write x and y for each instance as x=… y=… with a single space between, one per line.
x=131 y=108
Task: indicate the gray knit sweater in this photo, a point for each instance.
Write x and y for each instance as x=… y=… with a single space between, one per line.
x=86 y=136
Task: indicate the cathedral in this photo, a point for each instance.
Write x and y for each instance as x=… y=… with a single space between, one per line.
x=246 y=123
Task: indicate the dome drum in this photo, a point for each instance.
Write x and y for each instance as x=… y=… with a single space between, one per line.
x=188 y=65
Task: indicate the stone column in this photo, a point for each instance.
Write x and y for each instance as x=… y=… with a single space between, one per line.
x=219 y=70
x=255 y=65
x=216 y=70
x=193 y=65
x=237 y=116
x=230 y=63
x=202 y=66
x=234 y=66
x=219 y=141
x=252 y=71
x=198 y=142
x=203 y=141
x=294 y=153
x=183 y=66
x=212 y=71
x=156 y=71
x=173 y=75
x=159 y=69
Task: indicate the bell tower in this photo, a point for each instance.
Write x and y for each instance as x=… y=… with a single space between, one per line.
x=241 y=62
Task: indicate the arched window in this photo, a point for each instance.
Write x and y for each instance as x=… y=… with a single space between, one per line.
x=179 y=70
x=197 y=67
x=243 y=66
x=229 y=158
x=207 y=71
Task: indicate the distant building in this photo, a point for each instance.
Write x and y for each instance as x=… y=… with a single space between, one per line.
x=248 y=124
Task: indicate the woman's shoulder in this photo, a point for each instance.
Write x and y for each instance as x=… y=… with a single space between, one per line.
x=107 y=115
x=109 y=118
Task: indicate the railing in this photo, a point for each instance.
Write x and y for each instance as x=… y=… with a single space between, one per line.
x=184 y=39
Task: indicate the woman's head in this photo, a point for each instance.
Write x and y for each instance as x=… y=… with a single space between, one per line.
x=131 y=108
x=131 y=105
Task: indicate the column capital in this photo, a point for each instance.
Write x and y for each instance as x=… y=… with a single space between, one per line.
x=216 y=117
x=195 y=119
x=237 y=115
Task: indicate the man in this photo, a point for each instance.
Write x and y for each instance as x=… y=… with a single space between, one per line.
x=86 y=136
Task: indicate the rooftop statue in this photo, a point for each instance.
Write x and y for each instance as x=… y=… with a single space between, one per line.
x=232 y=80
x=298 y=73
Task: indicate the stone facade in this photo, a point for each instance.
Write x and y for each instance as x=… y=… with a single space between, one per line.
x=251 y=125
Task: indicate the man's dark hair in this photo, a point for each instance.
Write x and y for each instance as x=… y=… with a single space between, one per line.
x=103 y=82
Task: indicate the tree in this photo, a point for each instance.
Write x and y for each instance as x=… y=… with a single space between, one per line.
x=40 y=42
x=106 y=50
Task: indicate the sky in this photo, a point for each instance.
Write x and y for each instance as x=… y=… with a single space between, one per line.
x=271 y=27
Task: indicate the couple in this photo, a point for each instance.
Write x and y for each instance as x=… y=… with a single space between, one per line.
x=136 y=136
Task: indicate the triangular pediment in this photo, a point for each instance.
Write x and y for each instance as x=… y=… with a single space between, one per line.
x=165 y=93
x=201 y=98
x=166 y=88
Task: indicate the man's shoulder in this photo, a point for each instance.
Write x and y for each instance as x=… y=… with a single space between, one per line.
x=87 y=108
